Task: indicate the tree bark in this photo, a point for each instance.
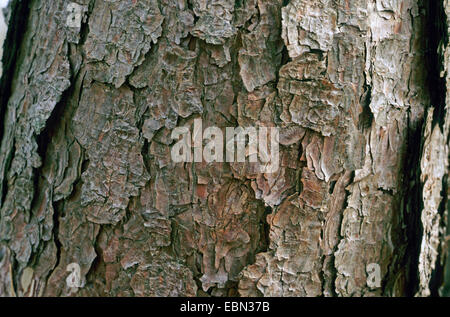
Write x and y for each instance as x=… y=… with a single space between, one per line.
x=357 y=208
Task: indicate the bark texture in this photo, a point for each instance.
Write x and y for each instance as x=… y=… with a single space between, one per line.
x=357 y=208
x=3 y=28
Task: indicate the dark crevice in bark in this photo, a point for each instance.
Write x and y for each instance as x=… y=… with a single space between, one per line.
x=265 y=232
x=333 y=271
x=97 y=269
x=141 y=116
x=366 y=116
x=437 y=40
x=15 y=269
x=8 y=164
x=238 y=4
x=52 y=125
x=2 y=253
x=63 y=110
x=332 y=185
x=84 y=31
x=84 y=167
x=413 y=207
x=57 y=212
x=145 y=155
x=59 y=120
x=389 y=192
x=190 y=6
x=17 y=26
x=285 y=58
x=191 y=43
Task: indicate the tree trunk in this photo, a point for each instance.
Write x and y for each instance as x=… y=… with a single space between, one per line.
x=89 y=103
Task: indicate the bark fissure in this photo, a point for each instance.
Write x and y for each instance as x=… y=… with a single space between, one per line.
x=437 y=41
x=17 y=26
x=434 y=160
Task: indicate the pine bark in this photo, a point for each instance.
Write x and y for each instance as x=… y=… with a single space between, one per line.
x=357 y=88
